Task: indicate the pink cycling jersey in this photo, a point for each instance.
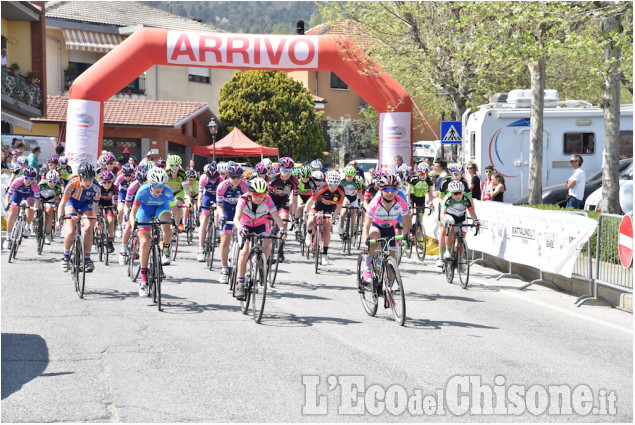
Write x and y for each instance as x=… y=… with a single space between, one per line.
x=33 y=191
x=383 y=217
x=132 y=190
x=255 y=215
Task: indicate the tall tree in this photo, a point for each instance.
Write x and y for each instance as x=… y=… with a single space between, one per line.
x=274 y=110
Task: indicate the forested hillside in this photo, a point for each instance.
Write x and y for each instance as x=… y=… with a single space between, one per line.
x=253 y=17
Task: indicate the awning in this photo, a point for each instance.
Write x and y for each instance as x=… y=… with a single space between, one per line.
x=17 y=120
x=89 y=41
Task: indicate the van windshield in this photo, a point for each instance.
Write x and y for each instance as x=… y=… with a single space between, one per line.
x=365 y=166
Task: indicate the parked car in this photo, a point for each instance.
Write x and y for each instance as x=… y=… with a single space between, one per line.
x=365 y=165
x=46 y=143
x=594 y=200
x=557 y=194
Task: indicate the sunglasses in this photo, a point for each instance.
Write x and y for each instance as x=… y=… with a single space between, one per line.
x=29 y=178
x=572 y=160
x=488 y=171
x=456 y=174
x=470 y=168
x=258 y=195
x=287 y=170
x=235 y=177
x=457 y=193
x=334 y=186
x=174 y=165
x=157 y=186
x=15 y=154
x=109 y=163
x=389 y=189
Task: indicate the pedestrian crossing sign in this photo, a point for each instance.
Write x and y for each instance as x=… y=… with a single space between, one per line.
x=451 y=132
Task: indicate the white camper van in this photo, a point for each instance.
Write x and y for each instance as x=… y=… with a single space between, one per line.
x=498 y=135
x=426 y=149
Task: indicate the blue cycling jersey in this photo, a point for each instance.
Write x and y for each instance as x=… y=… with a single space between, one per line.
x=144 y=196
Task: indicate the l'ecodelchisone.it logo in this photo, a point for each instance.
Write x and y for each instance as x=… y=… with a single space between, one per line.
x=83 y=120
x=394 y=133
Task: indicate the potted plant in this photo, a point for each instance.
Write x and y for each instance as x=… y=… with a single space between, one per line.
x=14 y=68
x=31 y=77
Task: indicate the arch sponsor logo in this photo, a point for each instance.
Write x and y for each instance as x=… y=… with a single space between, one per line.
x=394 y=133
x=242 y=50
x=83 y=120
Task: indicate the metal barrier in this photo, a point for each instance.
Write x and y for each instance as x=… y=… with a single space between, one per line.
x=608 y=270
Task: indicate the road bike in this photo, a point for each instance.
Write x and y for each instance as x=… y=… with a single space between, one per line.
x=154 y=275
x=351 y=235
x=100 y=237
x=317 y=238
x=39 y=228
x=418 y=233
x=273 y=259
x=300 y=233
x=190 y=223
x=459 y=259
x=18 y=230
x=134 y=267
x=386 y=282
x=255 y=277
x=76 y=256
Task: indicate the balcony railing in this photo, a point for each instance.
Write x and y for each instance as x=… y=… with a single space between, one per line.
x=17 y=87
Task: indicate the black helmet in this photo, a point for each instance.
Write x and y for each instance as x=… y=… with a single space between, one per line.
x=86 y=170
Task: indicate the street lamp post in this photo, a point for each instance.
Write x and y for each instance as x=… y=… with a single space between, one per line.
x=213 y=127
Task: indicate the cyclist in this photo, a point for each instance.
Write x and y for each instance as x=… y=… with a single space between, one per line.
x=81 y=197
x=140 y=179
x=152 y=199
x=222 y=169
x=249 y=175
x=227 y=195
x=419 y=186
x=50 y=194
x=206 y=197
x=316 y=165
x=251 y=217
x=283 y=189
x=455 y=174
x=261 y=170
x=381 y=218
x=122 y=183
x=65 y=170
x=352 y=190
x=192 y=183
x=161 y=163
x=25 y=188
x=306 y=187
x=111 y=163
x=179 y=185
x=329 y=198
x=453 y=211
x=372 y=189
x=23 y=162
x=106 y=201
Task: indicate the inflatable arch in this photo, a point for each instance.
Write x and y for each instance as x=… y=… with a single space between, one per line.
x=152 y=46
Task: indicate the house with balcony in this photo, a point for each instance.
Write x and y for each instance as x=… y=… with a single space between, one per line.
x=24 y=77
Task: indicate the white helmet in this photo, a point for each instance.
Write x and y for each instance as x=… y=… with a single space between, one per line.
x=316 y=164
x=317 y=175
x=157 y=175
x=222 y=167
x=333 y=178
x=267 y=162
x=423 y=168
x=455 y=186
x=53 y=176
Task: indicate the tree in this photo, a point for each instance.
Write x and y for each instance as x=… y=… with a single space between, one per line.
x=274 y=110
x=351 y=137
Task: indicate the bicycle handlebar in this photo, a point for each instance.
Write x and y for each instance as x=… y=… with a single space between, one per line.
x=75 y=217
x=397 y=238
x=478 y=227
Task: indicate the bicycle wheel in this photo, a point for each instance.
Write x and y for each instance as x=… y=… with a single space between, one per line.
x=421 y=243
x=211 y=240
x=368 y=297
x=175 y=244
x=191 y=226
x=104 y=239
x=316 y=247
x=40 y=231
x=259 y=288
x=349 y=233
x=449 y=269
x=344 y=230
x=408 y=244
x=399 y=253
x=134 y=265
x=358 y=228
x=394 y=293
x=272 y=263
x=15 y=237
x=251 y=266
x=462 y=263
x=80 y=270
x=302 y=235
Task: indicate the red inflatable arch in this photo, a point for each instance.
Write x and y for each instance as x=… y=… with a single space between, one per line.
x=151 y=46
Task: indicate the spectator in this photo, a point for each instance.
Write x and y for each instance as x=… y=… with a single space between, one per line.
x=4 y=57
x=19 y=145
x=473 y=180
x=35 y=153
x=485 y=185
x=59 y=150
x=441 y=172
x=398 y=162
x=149 y=157
x=576 y=183
x=358 y=171
x=15 y=154
x=132 y=160
x=497 y=187
x=6 y=158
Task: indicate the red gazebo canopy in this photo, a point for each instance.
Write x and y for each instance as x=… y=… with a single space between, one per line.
x=235 y=144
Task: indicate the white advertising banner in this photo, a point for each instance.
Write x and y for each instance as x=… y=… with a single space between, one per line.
x=547 y=240
x=242 y=50
x=394 y=139
x=82 y=131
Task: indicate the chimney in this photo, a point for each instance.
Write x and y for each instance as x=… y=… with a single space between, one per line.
x=299 y=27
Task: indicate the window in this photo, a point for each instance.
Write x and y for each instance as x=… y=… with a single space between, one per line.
x=626 y=144
x=198 y=75
x=337 y=83
x=579 y=143
x=473 y=145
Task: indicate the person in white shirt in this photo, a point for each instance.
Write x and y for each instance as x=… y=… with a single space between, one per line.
x=4 y=57
x=576 y=183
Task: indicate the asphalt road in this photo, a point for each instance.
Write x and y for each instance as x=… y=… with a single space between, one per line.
x=316 y=356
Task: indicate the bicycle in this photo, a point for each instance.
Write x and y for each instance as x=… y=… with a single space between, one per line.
x=190 y=223
x=317 y=237
x=382 y=267
x=18 y=230
x=273 y=259
x=300 y=233
x=255 y=277
x=133 y=255
x=39 y=229
x=100 y=237
x=418 y=231
x=76 y=257
x=349 y=235
x=460 y=261
x=210 y=238
x=154 y=274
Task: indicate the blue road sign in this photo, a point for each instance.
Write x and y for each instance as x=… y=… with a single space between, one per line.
x=451 y=132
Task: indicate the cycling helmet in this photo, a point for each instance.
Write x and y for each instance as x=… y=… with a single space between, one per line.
x=222 y=167
x=304 y=171
x=267 y=163
x=63 y=160
x=191 y=174
x=318 y=175
x=109 y=158
x=275 y=169
x=388 y=180
x=106 y=176
x=258 y=185
x=261 y=169
x=29 y=172
x=350 y=171
x=359 y=180
x=86 y=170
x=212 y=172
x=456 y=167
x=377 y=175
x=247 y=173
x=234 y=170
x=101 y=161
x=22 y=160
x=149 y=164
x=423 y=168
x=127 y=169
x=455 y=186
x=333 y=178
x=53 y=176
x=160 y=163
x=286 y=163
x=141 y=175
x=211 y=165
x=174 y=160
x=316 y=164
x=54 y=161
x=157 y=176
